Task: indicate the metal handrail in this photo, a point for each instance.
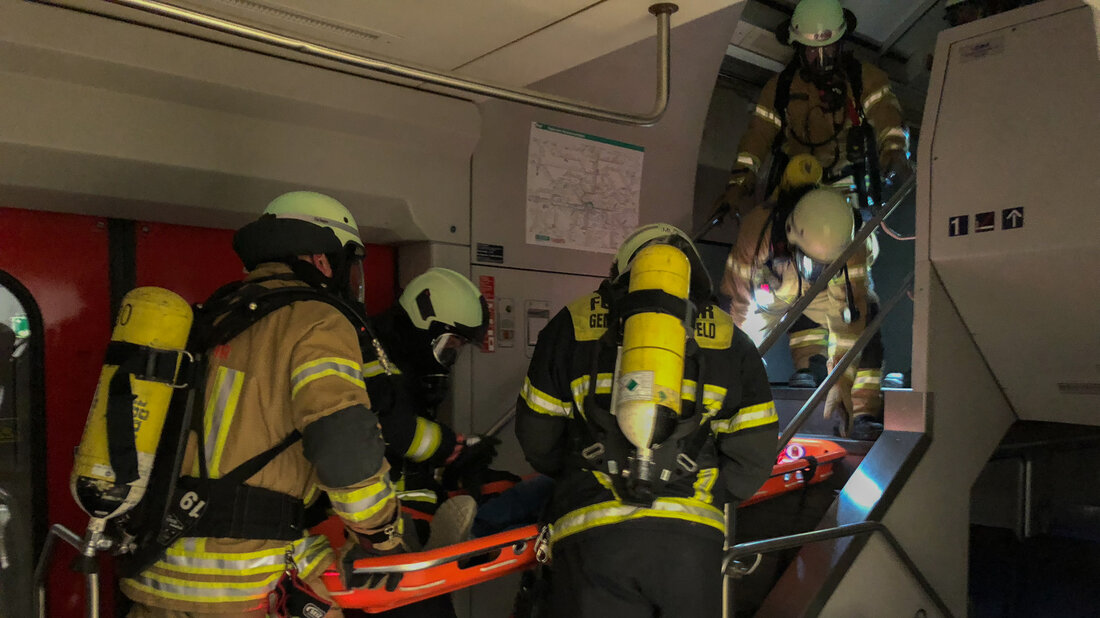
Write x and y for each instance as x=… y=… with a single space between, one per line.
x=842 y=365
x=822 y=281
x=662 y=11
x=846 y=530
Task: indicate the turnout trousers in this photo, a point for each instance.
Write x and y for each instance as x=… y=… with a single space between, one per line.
x=659 y=569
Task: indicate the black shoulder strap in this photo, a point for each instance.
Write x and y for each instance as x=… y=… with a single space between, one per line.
x=783 y=94
x=854 y=68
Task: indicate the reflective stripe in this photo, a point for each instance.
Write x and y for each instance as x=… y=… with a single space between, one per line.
x=870 y=379
x=713 y=396
x=614 y=512
x=219 y=415
x=425 y=441
x=375 y=368
x=842 y=342
x=418 y=495
x=363 y=503
x=543 y=403
x=870 y=100
x=580 y=388
x=322 y=220
x=323 y=367
x=187 y=558
x=810 y=337
x=747 y=418
x=704 y=484
x=749 y=160
x=894 y=133
x=769 y=116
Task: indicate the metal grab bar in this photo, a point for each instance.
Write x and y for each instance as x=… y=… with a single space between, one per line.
x=91 y=578
x=864 y=527
x=661 y=10
x=845 y=361
x=822 y=282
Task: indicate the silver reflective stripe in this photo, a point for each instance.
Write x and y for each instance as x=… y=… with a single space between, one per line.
x=226 y=385
x=418 y=495
x=542 y=402
x=614 y=512
x=363 y=503
x=745 y=159
x=769 y=115
x=814 y=337
x=185 y=558
x=328 y=366
x=321 y=220
x=870 y=100
x=425 y=441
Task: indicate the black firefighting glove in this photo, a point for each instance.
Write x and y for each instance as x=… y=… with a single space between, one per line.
x=468 y=468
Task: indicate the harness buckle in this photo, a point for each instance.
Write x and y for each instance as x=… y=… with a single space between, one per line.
x=542 y=544
x=593 y=452
x=687 y=463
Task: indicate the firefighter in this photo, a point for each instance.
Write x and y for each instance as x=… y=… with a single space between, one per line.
x=780 y=249
x=438 y=313
x=827 y=104
x=650 y=542
x=286 y=395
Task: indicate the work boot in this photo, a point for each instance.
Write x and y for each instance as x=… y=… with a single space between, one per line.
x=812 y=376
x=452 y=522
x=865 y=427
x=897 y=379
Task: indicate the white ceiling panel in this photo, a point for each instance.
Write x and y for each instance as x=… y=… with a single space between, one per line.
x=439 y=34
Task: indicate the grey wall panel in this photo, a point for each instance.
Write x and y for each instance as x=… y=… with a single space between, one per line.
x=621 y=79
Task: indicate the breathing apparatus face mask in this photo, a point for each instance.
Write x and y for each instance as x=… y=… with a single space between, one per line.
x=809 y=268
x=821 y=67
x=347 y=274
x=445 y=348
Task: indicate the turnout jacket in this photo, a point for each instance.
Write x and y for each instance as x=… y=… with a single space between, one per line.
x=298 y=368
x=737 y=414
x=416 y=443
x=809 y=123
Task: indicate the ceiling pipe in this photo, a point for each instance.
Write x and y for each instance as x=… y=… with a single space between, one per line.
x=662 y=11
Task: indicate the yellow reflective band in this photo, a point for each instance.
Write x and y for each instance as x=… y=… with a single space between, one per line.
x=219 y=415
x=580 y=387
x=747 y=418
x=808 y=338
x=870 y=100
x=542 y=402
x=361 y=504
x=419 y=495
x=870 y=379
x=896 y=133
x=614 y=512
x=375 y=368
x=704 y=485
x=425 y=441
x=747 y=159
x=769 y=116
x=185 y=558
x=324 y=367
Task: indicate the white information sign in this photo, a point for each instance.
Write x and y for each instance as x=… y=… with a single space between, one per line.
x=582 y=190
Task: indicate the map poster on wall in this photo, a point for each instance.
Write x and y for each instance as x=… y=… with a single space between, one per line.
x=582 y=190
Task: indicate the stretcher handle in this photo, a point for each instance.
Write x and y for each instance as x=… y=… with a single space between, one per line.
x=409 y=567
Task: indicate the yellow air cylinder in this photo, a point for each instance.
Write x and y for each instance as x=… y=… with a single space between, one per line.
x=151 y=317
x=651 y=369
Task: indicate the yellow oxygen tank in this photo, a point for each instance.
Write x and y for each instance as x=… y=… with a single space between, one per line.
x=150 y=317
x=647 y=398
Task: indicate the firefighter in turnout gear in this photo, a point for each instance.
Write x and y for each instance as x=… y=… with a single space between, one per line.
x=407 y=377
x=284 y=418
x=636 y=515
x=827 y=104
x=780 y=248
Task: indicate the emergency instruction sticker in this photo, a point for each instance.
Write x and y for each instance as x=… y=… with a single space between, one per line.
x=636 y=386
x=487 y=286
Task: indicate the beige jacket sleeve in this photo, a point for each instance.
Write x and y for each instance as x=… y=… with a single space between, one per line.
x=883 y=111
x=748 y=253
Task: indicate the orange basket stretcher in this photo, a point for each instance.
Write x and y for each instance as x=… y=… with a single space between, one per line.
x=426 y=574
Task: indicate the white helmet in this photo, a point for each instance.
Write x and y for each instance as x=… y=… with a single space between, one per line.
x=821 y=226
